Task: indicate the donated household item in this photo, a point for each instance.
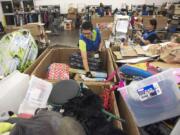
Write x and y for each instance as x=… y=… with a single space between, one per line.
x=133 y=71
x=58 y=71
x=68 y=25
x=135 y=60
x=94 y=74
x=121 y=25
x=152 y=96
x=47 y=123
x=83 y=77
x=95 y=64
x=13 y=90
x=36 y=96
x=5 y=127
x=63 y=91
x=18 y=50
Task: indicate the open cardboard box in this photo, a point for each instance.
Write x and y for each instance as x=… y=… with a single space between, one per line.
x=161 y=21
x=129 y=127
x=105 y=19
x=61 y=55
x=105 y=33
x=31 y=68
x=98 y=89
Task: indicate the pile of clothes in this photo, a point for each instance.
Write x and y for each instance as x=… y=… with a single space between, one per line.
x=79 y=113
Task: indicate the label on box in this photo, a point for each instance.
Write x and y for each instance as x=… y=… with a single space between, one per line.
x=149 y=91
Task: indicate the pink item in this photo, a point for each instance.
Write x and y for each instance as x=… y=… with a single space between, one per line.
x=58 y=71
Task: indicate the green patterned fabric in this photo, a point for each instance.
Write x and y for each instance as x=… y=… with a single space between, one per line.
x=18 y=50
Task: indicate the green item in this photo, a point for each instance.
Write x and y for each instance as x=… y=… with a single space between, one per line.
x=5 y=127
x=112 y=116
x=18 y=50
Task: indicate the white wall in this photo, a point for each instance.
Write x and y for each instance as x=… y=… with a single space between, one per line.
x=64 y=3
x=159 y=2
x=1 y=13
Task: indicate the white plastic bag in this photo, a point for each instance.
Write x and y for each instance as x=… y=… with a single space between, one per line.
x=37 y=95
x=13 y=89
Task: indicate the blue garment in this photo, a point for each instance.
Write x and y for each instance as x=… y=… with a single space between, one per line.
x=144 y=13
x=100 y=11
x=151 y=36
x=92 y=45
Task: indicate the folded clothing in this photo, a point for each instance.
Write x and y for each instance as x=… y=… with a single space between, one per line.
x=95 y=64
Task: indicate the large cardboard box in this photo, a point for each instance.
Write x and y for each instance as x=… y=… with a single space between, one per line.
x=105 y=34
x=31 y=68
x=161 y=21
x=36 y=29
x=129 y=126
x=72 y=10
x=105 y=19
x=61 y=55
x=72 y=16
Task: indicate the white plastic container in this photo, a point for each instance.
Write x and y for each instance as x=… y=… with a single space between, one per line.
x=13 y=89
x=153 y=99
x=36 y=96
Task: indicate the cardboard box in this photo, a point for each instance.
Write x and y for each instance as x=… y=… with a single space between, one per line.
x=10 y=29
x=105 y=19
x=31 y=68
x=105 y=34
x=71 y=16
x=98 y=89
x=61 y=55
x=72 y=10
x=129 y=127
x=161 y=21
x=164 y=65
x=36 y=29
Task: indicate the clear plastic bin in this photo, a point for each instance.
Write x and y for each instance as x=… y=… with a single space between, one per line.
x=13 y=90
x=153 y=99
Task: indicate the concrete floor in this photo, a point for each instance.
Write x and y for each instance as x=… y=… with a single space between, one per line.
x=65 y=38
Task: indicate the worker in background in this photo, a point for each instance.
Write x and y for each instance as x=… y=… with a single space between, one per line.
x=134 y=18
x=144 y=10
x=149 y=36
x=100 y=10
x=90 y=41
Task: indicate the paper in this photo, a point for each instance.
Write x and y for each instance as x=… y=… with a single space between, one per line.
x=139 y=50
x=134 y=60
x=128 y=51
x=122 y=26
x=117 y=55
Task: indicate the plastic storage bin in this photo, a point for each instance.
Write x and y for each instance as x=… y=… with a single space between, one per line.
x=153 y=99
x=13 y=90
